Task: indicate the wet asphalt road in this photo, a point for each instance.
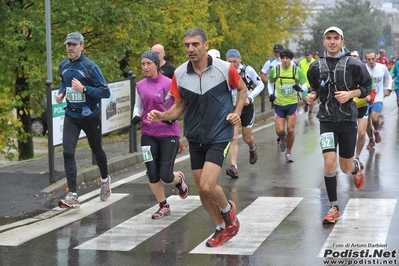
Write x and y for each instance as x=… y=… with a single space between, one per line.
x=280 y=206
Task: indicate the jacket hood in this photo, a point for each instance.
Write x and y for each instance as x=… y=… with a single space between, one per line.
x=343 y=52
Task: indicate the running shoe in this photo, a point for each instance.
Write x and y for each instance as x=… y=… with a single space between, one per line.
x=253 y=155
x=358 y=178
x=231 y=221
x=377 y=137
x=232 y=171
x=163 y=210
x=288 y=157
x=371 y=144
x=105 y=190
x=182 y=186
x=282 y=145
x=71 y=201
x=218 y=238
x=332 y=215
x=361 y=164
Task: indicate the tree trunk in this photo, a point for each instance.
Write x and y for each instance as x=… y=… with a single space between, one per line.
x=25 y=148
x=25 y=141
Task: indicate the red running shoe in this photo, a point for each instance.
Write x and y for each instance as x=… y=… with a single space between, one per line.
x=253 y=155
x=332 y=215
x=231 y=221
x=218 y=238
x=232 y=171
x=182 y=186
x=163 y=210
x=358 y=178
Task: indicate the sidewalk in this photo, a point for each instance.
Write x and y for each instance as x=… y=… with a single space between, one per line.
x=27 y=182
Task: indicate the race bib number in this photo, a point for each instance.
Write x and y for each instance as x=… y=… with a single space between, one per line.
x=147 y=155
x=75 y=96
x=327 y=141
x=286 y=90
x=234 y=96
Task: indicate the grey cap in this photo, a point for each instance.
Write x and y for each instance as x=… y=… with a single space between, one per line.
x=74 y=37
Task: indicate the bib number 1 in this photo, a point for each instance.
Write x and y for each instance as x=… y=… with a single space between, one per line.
x=75 y=96
x=147 y=155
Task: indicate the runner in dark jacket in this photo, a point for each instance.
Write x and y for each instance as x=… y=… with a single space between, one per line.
x=337 y=78
x=351 y=74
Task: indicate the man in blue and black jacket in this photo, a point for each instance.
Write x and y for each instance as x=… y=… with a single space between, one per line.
x=84 y=86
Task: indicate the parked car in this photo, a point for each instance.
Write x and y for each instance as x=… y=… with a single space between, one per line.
x=39 y=124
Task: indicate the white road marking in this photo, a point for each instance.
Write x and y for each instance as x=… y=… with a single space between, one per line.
x=257 y=222
x=94 y=193
x=20 y=235
x=129 y=234
x=363 y=222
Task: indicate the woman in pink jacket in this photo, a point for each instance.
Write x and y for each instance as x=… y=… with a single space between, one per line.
x=160 y=140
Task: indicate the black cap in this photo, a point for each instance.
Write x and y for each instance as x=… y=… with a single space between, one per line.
x=278 y=48
x=286 y=53
x=308 y=52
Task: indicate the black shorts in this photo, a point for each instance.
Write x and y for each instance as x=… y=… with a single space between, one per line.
x=163 y=152
x=248 y=115
x=342 y=133
x=362 y=112
x=214 y=153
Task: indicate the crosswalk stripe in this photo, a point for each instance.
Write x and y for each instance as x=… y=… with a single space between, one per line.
x=129 y=234
x=257 y=222
x=116 y=184
x=20 y=235
x=364 y=222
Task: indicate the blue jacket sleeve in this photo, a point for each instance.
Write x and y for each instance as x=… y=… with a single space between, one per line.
x=98 y=88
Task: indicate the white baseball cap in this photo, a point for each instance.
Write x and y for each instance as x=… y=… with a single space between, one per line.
x=214 y=53
x=336 y=29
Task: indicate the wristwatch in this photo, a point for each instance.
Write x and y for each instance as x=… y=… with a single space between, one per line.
x=84 y=89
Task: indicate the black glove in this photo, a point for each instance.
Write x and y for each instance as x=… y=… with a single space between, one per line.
x=136 y=120
x=169 y=122
x=297 y=88
x=272 y=98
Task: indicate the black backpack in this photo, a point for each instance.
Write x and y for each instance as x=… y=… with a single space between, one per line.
x=244 y=78
x=294 y=67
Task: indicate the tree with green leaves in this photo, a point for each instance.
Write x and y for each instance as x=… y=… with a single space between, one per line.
x=254 y=27
x=359 y=23
x=106 y=27
x=116 y=34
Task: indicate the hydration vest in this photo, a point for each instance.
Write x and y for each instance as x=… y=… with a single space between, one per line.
x=278 y=74
x=244 y=78
x=328 y=77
